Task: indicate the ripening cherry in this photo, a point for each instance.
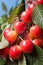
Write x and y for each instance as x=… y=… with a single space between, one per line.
x=31 y=37
x=19 y=27
x=15 y=52
x=37 y=42
x=35 y=31
x=39 y=1
x=10 y=36
x=26 y=46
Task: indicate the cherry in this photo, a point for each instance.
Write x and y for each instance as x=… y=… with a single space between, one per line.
x=4 y=52
x=0 y=52
x=32 y=5
x=37 y=42
x=6 y=30
x=30 y=9
x=15 y=52
x=26 y=35
x=19 y=27
x=10 y=36
x=35 y=31
x=26 y=46
x=39 y=1
x=25 y=16
x=31 y=37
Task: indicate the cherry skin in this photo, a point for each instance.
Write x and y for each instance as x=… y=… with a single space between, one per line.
x=6 y=30
x=37 y=42
x=0 y=52
x=15 y=52
x=10 y=36
x=35 y=31
x=25 y=16
x=26 y=35
x=39 y=1
x=26 y=46
x=30 y=9
x=31 y=37
x=4 y=52
x=19 y=27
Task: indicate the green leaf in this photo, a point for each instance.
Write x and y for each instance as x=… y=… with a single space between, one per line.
x=2 y=62
x=10 y=11
x=1 y=20
x=5 y=18
x=36 y=57
x=4 y=25
x=4 y=43
x=4 y=7
x=16 y=11
x=23 y=61
x=37 y=15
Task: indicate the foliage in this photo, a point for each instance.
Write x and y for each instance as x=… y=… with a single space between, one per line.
x=23 y=61
x=36 y=57
x=4 y=43
x=2 y=61
x=4 y=7
x=37 y=15
x=16 y=11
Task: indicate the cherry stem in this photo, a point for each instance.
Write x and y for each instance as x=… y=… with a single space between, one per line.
x=21 y=38
x=11 y=59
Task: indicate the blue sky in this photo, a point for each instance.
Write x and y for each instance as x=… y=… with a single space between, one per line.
x=9 y=4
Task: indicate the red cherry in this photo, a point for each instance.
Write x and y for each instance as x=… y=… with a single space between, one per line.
x=15 y=52
x=32 y=5
x=31 y=37
x=4 y=52
x=10 y=36
x=26 y=46
x=19 y=27
x=6 y=30
x=35 y=31
x=0 y=52
x=30 y=8
x=25 y=16
x=37 y=42
x=26 y=35
x=39 y=1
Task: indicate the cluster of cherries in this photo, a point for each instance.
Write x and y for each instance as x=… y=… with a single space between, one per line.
x=33 y=36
